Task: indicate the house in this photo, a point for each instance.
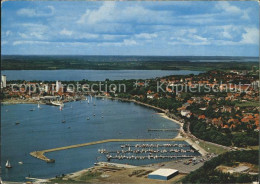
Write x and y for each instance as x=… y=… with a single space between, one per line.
x=185 y=112
x=150 y=96
x=202 y=116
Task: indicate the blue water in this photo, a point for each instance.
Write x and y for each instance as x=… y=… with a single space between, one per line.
x=91 y=75
x=43 y=129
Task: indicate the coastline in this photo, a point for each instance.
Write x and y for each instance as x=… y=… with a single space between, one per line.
x=161 y=112
x=175 y=121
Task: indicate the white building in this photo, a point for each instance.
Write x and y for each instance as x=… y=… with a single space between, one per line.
x=151 y=96
x=185 y=112
x=3 y=81
x=58 y=86
x=163 y=174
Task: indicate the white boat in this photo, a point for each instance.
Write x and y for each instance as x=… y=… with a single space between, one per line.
x=8 y=164
x=20 y=163
x=88 y=101
x=57 y=103
x=39 y=105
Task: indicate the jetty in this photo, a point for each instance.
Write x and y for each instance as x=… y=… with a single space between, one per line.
x=40 y=154
x=163 y=130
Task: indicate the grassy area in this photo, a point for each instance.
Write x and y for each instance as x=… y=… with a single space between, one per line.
x=247 y=104
x=212 y=148
x=85 y=177
x=89 y=175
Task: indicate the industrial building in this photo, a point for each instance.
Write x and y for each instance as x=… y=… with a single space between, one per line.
x=163 y=174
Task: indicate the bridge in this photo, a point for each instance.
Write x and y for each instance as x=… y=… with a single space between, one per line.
x=40 y=154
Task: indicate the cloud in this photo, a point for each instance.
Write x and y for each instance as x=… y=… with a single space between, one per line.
x=251 y=36
x=66 y=32
x=231 y=9
x=187 y=37
x=132 y=26
x=7 y=33
x=113 y=37
x=27 y=12
x=104 y=13
x=33 y=31
x=129 y=42
x=109 y=12
x=22 y=42
x=56 y=44
x=146 y=35
x=88 y=35
x=125 y=42
x=4 y=42
x=225 y=6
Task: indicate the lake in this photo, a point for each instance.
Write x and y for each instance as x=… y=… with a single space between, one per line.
x=43 y=129
x=91 y=75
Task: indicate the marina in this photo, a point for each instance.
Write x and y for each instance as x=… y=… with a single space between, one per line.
x=40 y=154
x=60 y=131
x=149 y=151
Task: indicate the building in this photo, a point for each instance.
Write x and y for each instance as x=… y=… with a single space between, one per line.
x=163 y=174
x=3 y=81
x=58 y=86
x=185 y=112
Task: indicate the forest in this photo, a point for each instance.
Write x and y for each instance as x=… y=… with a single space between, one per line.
x=13 y=62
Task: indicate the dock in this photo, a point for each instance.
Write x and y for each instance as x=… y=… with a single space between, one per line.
x=163 y=130
x=40 y=154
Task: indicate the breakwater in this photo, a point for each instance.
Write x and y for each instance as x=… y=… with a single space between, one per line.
x=40 y=154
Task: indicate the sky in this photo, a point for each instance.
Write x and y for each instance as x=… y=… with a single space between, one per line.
x=165 y=28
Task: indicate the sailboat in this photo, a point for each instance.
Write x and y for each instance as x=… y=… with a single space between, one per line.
x=60 y=108
x=8 y=164
x=39 y=105
x=88 y=101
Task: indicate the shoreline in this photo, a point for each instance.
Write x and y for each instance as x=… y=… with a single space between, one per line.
x=161 y=112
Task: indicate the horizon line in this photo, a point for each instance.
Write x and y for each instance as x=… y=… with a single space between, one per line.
x=124 y=55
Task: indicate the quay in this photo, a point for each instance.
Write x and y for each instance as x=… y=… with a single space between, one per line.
x=40 y=154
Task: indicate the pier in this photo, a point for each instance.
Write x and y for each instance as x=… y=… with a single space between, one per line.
x=40 y=154
x=149 y=151
x=163 y=130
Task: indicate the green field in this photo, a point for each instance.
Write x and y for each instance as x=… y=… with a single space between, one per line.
x=212 y=148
